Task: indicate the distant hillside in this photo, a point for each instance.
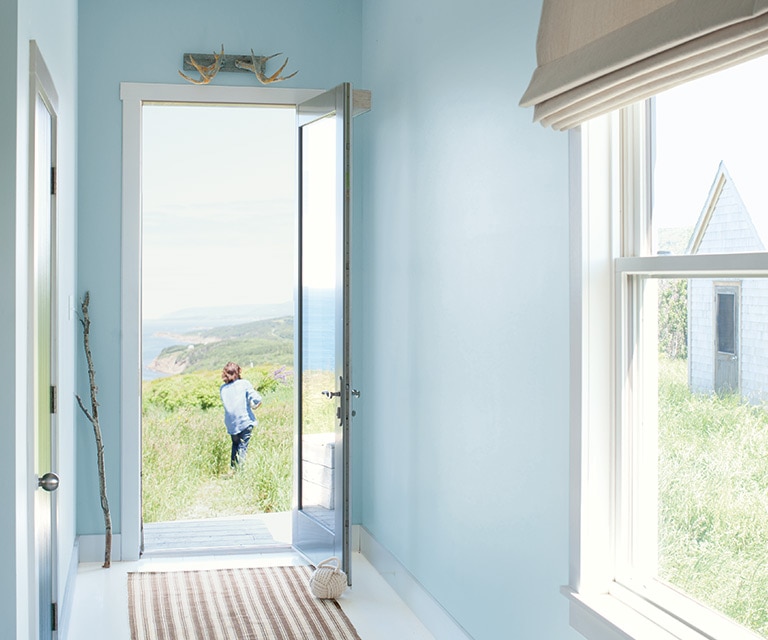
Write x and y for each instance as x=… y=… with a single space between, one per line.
x=235 y=313
x=674 y=240
x=261 y=342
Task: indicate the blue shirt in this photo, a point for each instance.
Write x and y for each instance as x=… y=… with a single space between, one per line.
x=238 y=397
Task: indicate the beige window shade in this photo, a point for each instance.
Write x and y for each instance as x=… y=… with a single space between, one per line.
x=595 y=56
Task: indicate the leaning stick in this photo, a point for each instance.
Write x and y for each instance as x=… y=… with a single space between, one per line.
x=93 y=418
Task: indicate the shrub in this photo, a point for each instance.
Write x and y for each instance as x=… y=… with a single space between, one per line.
x=673 y=318
x=201 y=389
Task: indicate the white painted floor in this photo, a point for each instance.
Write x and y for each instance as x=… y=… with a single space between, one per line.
x=100 y=606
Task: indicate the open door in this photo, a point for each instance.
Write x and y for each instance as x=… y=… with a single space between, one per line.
x=321 y=513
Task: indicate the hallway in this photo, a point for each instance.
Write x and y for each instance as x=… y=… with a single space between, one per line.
x=100 y=607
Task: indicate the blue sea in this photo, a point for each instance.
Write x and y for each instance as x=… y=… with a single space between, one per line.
x=152 y=344
x=318 y=337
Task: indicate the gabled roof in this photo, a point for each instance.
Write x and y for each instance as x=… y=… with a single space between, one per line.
x=724 y=204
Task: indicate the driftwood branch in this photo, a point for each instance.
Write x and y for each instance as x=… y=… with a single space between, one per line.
x=93 y=418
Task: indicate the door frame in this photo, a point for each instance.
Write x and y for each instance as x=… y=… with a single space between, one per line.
x=134 y=96
x=41 y=85
x=727 y=287
x=310 y=537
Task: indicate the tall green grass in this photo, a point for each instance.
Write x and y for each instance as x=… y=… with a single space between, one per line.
x=713 y=475
x=713 y=498
x=186 y=449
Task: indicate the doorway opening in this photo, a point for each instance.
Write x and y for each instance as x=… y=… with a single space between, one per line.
x=218 y=264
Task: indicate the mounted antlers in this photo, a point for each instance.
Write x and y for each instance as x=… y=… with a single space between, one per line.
x=258 y=66
x=206 y=72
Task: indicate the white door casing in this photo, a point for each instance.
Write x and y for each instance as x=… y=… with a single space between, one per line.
x=134 y=96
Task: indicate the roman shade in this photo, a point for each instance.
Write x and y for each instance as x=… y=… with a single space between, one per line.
x=595 y=56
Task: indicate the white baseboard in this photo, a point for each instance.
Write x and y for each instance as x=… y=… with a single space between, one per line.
x=431 y=613
x=354 y=538
x=65 y=606
x=92 y=548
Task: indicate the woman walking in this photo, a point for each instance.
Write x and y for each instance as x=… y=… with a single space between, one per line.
x=239 y=399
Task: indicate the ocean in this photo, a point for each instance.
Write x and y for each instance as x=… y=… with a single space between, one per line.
x=152 y=344
x=318 y=336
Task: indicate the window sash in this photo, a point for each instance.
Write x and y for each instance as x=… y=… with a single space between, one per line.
x=730 y=265
x=613 y=270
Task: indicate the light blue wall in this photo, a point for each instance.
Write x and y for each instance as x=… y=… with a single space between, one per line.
x=464 y=378
x=462 y=280
x=144 y=41
x=54 y=27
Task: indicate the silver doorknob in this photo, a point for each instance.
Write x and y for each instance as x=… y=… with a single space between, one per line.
x=331 y=394
x=48 y=482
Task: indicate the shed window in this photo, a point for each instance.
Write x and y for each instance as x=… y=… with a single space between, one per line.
x=726 y=323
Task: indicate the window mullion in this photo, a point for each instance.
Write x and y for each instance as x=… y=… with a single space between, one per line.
x=636 y=510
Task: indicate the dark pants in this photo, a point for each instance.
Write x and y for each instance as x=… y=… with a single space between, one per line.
x=240 y=446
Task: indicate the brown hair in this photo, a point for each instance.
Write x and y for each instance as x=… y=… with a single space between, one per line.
x=231 y=372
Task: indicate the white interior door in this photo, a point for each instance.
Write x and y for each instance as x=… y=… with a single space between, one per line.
x=42 y=341
x=321 y=516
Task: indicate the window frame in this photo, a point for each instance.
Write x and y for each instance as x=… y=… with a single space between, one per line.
x=610 y=161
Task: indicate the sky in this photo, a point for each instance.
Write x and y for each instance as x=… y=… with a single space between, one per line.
x=219 y=188
x=219 y=202
x=218 y=196
x=698 y=124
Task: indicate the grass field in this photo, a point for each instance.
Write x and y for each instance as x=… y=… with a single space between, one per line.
x=713 y=498
x=713 y=474
x=186 y=449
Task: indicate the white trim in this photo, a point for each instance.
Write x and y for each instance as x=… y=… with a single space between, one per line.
x=593 y=240
x=354 y=538
x=91 y=548
x=130 y=357
x=65 y=607
x=134 y=95
x=189 y=93
x=604 y=617
x=700 y=265
x=430 y=612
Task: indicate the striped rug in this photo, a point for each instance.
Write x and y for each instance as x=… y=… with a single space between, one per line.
x=269 y=603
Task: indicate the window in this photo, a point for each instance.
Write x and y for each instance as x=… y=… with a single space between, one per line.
x=669 y=366
x=726 y=323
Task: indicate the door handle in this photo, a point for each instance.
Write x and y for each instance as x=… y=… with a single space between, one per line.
x=331 y=394
x=48 y=482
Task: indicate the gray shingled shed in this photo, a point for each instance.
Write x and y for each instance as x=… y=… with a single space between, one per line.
x=727 y=317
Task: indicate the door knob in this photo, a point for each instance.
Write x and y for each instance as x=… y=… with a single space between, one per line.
x=331 y=394
x=48 y=482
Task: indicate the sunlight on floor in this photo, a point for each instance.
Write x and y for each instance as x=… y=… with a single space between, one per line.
x=100 y=606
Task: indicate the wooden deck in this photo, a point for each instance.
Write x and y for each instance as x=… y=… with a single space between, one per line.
x=237 y=534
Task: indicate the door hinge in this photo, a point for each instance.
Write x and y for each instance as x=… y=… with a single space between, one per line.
x=53 y=398
x=53 y=181
x=54 y=617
